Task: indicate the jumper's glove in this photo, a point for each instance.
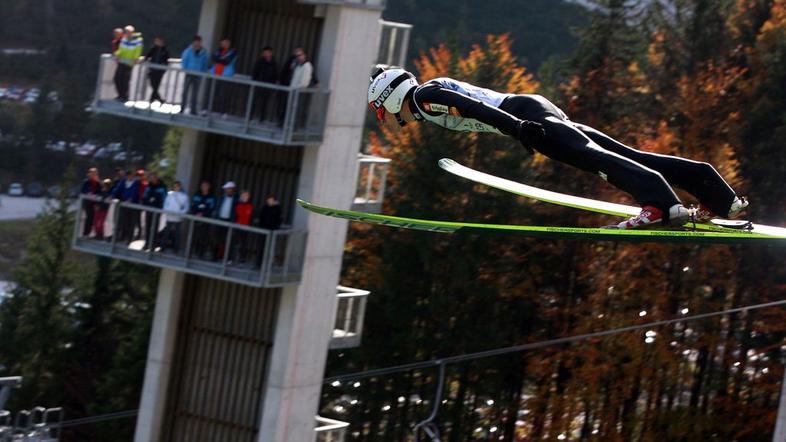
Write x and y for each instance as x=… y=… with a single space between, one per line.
x=530 y=134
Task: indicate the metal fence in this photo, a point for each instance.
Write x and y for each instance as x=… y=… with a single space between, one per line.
x=330 y=430
x=375 y=4
x=235 y=106
x=36 y=425
x=372 y=179
x=203 y=246
x=351 y=309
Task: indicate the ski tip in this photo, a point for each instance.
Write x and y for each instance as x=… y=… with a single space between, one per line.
x=446 y=163
x=302 y=202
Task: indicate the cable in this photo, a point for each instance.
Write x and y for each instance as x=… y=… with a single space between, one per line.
x=466 y=357
x=93 y=419
x=539 y=344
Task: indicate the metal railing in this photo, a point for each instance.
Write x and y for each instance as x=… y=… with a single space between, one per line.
x=351 y=309
x=35 y=425
x=330 y=430
x=373 y=4
x=372 y=178
x=192 y=244
x=393 y=43
x=235 y=106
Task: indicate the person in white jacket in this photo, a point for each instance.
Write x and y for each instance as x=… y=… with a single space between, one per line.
x=301 y=79
x=304 y=71
x=175 y=204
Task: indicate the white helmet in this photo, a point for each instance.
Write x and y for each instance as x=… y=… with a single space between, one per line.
x=387 y=91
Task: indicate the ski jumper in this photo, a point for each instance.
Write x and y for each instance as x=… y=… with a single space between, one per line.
x=646 y=176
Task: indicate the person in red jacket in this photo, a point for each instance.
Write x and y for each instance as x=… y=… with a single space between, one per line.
x=244 y=211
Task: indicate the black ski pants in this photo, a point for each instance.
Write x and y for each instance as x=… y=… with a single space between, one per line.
x=646 y=176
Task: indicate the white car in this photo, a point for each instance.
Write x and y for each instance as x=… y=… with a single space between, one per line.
x=16 y=189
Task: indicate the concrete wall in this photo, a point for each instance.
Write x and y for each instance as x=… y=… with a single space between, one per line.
x=163 y=334
x=306 y=313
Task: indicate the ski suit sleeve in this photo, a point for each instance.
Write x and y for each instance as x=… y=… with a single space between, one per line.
x=468 y=107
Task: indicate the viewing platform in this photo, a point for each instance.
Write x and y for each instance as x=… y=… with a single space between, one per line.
x=372 y=179
x=351 y=310
x=330 y=430
x=234 y=106
x=197 y=245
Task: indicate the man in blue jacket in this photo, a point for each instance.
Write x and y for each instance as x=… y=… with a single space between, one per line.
x=224 y=59
x=127 y=191
x=154 y=196
x=203 y=204
x=193 y=58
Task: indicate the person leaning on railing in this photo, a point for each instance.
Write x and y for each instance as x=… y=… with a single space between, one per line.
x=244 y=211
x=127 y=191
x=90 y=188
x=102 y=208
x=266 y=71
x=155 y=194
x=158 y=56
x=270 y=219
x=193 y=58
x=176 y=202
x=203 y=204
x=225 y=211
x=127 y=55
x=224 y=59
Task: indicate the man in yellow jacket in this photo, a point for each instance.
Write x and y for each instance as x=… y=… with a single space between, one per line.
x=127 y=55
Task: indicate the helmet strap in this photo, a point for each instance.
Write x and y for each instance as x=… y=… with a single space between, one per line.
x=399 y=119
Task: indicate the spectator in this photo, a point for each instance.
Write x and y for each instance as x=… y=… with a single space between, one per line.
x=158 y=57
x=289 y=67
x=117 y=36
x=120 y=176
x=127 y=54
x=265 y=70
x=244 y=210
x=302 y=78
x=226 y=212
x=91 y=187
x=175 y=204
x=226 y=207
x=224 y=59
x=194 y=58
x=139 y=232
x=155 y=194
x=298 y=73
x=270 y=214
x=270 y=219
x=203 y=204
x=127 y=192
x=303 y=71
x=102 y=207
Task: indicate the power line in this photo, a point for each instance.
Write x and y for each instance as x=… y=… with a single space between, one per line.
x=540 y=344
x=94 y=419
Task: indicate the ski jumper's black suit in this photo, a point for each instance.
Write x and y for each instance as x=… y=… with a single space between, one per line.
x=646 y=176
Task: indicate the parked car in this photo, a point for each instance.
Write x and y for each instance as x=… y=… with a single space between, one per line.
x=35 y=189
x=16 y=189
x=114 y=147
x=121 y=156
x=53 y=191
x=102 y=153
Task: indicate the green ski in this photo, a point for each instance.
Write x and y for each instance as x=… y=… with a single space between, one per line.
x=727 y=236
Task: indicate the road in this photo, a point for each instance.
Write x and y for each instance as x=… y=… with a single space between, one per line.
x=20 y=207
